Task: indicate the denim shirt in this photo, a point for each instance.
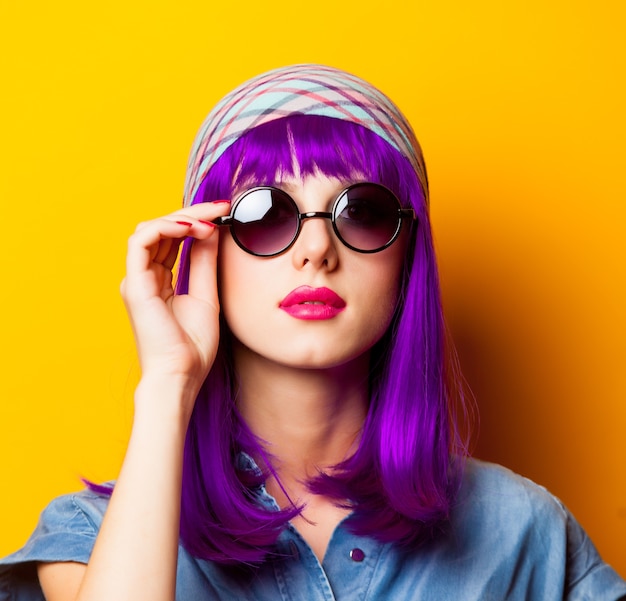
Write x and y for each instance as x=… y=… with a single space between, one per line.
x=508 y=539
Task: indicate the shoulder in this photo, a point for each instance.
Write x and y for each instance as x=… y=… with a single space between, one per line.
x=496 y=507
x=66 y=530
x=519 y=526
x=492 y=487
x=77 y=514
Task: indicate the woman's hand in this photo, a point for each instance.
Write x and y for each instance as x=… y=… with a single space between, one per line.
x=176 y=335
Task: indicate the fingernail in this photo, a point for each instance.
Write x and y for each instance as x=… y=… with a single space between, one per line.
x=184 y=223
x=221 y=202
x=209 y=223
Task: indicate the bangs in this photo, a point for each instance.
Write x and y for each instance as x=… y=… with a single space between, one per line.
x=306 y=145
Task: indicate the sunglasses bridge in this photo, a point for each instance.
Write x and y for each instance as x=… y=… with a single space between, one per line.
x=315 y=215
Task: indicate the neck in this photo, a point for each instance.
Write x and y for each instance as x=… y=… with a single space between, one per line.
x=310 y=418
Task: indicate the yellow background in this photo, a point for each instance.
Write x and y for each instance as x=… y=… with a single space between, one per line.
x=519 y=107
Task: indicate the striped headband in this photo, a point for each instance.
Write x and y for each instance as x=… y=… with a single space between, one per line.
x=299 y=89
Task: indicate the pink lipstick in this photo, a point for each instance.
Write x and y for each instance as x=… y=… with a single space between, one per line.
x=312 y=303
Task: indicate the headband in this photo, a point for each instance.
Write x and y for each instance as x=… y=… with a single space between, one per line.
x=304 y=90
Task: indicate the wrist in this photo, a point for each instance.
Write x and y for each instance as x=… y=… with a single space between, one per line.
x=167 y=398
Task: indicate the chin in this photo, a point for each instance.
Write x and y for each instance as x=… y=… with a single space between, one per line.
x=304 y=350
x=323 y=358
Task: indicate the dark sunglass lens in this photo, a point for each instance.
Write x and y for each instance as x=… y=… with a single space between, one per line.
x=367 y=217
x=265 y=221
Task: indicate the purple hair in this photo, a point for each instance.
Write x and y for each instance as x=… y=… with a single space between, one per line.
x=402 y=479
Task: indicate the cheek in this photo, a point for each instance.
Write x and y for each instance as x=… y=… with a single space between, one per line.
x=386 y=302
x=382 y=290
x=244 y=290
x=392 y=275
x=388 y=272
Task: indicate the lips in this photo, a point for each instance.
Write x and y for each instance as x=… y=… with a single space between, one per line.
x=312 y=303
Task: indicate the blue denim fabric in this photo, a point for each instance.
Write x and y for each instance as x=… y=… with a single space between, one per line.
x=509 y=539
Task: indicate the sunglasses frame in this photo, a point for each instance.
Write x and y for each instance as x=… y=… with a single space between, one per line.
x=229 y=220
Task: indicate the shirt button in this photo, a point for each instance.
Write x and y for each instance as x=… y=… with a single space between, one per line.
x=357 y=555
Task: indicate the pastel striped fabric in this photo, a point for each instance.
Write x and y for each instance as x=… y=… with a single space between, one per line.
x=299 y=89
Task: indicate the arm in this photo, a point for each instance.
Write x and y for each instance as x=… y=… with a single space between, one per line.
x=135 y=553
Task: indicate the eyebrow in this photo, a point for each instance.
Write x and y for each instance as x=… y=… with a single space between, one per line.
x=271 y=183
x=290 y=187
x=287 y=186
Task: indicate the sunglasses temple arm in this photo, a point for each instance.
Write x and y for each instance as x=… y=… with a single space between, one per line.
x=226 y=220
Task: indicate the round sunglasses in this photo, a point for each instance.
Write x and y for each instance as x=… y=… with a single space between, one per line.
x=266 y=221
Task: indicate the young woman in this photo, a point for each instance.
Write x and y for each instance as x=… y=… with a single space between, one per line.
x=295 y=432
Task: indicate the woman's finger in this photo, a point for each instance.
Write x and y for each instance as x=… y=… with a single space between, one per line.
x=156 y=242
x=203 y=270
x=143 y=247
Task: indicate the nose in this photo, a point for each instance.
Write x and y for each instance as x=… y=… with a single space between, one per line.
x=316 y=244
